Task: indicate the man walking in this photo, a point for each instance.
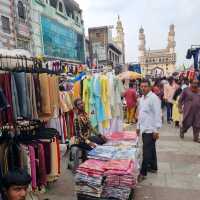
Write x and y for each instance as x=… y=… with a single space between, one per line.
x=169 y=90
x=149 y=123
x=189 y=104
x=131 y=100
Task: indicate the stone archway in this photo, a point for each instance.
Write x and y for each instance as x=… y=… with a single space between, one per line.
x=157 y=72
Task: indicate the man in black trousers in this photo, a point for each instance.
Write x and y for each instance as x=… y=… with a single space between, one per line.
x=149 y=123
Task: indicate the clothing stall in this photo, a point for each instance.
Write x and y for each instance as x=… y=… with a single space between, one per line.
x=112 y=169
x=101 y=93
x=31 y=122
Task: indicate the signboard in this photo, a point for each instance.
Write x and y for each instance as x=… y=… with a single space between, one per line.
x=99 y=50
x=135 y=68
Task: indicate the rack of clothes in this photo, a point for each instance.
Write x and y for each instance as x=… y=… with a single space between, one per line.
x=101 y=92
x=31 y=146
x=30 y=90
x=194 y=52
x=35 y=116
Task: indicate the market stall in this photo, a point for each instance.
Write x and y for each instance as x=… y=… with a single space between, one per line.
x=36 y=116
x=112 y=170
x=37 y=112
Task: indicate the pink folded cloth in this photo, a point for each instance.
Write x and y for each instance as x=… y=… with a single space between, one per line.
x=122 y=171
x=92 y=165
x=125 y=135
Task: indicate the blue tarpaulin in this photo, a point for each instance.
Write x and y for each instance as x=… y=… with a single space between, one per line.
x=135 y=68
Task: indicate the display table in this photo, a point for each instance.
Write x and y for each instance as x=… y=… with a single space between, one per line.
x=112 y=169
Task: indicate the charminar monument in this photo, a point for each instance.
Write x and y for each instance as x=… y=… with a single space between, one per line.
x=158 y=62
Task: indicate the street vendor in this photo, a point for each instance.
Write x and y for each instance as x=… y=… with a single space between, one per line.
x=86 y=137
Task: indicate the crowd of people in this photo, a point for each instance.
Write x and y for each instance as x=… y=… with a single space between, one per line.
x=179 y=98
x=180 y=102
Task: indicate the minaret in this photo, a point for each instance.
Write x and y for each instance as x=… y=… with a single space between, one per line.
x=120 y=38
x=171 y=39
x=142 y=44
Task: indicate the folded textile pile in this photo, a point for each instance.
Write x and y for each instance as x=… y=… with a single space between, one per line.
x=119 y=193
x=121 y=178
x=89 y=178
x=102 y=153
x=122 y=136
x=121 y=144
x=126 y=154
x=112 y=171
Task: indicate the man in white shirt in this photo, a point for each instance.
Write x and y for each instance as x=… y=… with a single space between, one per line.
x=149 y=123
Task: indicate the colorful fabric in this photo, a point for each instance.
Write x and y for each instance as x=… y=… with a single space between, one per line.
x=102 y=153
x=118 y=165
x=98 y=102
x=125 y=135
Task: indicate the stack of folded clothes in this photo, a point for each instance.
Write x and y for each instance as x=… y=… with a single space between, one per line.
x=117 y=193
x=126 y=154
x=123 y=143
x=102 y=153
x=121 y=179
x=122 y=136
x=112 y=171
x=89 y=178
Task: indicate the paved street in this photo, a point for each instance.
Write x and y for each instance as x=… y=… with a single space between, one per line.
x=179 y=169
x=178 y=177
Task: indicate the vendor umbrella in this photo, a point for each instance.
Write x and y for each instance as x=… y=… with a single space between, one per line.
x=129 y=75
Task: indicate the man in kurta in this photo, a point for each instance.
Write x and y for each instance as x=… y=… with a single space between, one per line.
x=189 y=104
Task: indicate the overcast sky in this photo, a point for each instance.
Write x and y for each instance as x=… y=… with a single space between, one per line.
x=154 y=15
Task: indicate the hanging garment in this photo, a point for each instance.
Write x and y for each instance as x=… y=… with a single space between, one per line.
x=98 y=103
x=3 y=100
x=42 y=174
x=55 y=124
x=47 y=156
x=92 y=111
x=37 y=92
x=4 y=158
x=25 y=158
x=33 y=166
x=66 y=103
x=86 y=93
x=54 y=162
x=195 y=54
x=77 y=90
x=15 y=99
x=32 y=96
x=23 y=95
x=117 y=111
x=112 y=93
x=5 y=80
x=54 y=95
x=105 y=93
x=45 y=97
